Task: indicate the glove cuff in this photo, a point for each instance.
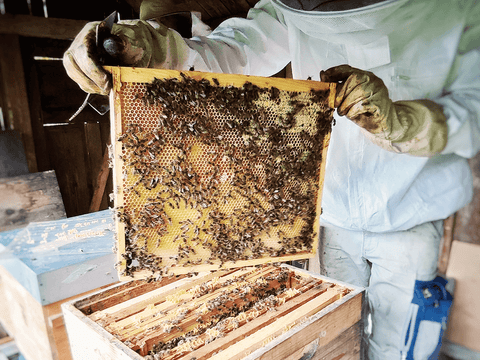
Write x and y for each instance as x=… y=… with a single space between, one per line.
x=152 y=45
x=418 y=128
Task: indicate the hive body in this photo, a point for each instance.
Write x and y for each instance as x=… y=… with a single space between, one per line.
x=266 y=311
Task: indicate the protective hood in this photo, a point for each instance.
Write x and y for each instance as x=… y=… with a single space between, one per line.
x=356 y=26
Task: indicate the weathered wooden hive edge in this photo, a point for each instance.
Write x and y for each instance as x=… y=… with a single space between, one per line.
x=356 y=295
x=353 y=300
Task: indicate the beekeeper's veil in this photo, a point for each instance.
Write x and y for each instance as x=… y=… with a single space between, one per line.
x=353 y=25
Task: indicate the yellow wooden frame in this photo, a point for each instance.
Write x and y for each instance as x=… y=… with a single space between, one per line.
x=121 y=75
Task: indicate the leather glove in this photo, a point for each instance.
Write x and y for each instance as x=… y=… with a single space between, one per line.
x=147 y=44
x=416 y=127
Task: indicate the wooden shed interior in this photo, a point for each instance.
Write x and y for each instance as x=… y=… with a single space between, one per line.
x=37 y=99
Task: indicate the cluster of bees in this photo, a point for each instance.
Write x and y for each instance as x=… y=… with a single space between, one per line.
x=230 y=308
x=238 y=168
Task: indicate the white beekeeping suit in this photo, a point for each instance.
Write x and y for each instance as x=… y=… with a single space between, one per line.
x=382 y=207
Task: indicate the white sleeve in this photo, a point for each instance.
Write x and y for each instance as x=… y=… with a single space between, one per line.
x=461 y=102
x=256 y=45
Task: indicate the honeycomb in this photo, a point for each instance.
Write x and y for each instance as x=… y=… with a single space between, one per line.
x=216 y=175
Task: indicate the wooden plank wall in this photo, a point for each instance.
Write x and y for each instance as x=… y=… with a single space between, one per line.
x=37 y=99
x=15 y=101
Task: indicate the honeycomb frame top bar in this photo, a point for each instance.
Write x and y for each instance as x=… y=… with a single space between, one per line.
x=132 y=74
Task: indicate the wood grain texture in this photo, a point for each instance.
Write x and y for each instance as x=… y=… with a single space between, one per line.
x=67 y=156
x=98 y=199
x=446 y=244
x=17 y=111
x=346 y=346
x=101 y=345
x=130 y=74
x=32 y=71
x=325 y=325
x=56 y=326
x=36 y=26
x=29 y=198
x=23 y=318
x=467 y=224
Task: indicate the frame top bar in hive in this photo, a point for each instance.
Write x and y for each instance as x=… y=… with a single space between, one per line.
x=216 y=170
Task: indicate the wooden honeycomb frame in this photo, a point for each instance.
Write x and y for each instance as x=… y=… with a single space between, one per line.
x=164 y=227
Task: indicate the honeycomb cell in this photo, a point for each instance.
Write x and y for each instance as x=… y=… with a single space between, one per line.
x=217 y=174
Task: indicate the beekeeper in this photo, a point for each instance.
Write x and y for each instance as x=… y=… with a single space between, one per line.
x=407 y=119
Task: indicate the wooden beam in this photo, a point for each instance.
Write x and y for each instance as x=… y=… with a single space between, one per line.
x=100 y=184
x=17 y=109
x=446 y=244
x=35 y=26
x=36 y=113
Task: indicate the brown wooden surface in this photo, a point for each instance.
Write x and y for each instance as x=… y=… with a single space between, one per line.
x=121 y=293
x=56 y=326
x=467 y=224
x=38 y=330
x=12 y=155
x=74 y=150
x=15 y=98
x=446 y=244
x=35 y=107
x=346 y=346
x=314 y=300
x=36 y=26
x=97 y=155
x=29 y=198
x=130 y=74
x=464 y=321
x=326 y=328
x=99 y=200
x=67 y=156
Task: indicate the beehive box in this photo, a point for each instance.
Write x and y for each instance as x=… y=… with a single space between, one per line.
x=216 y=171
x=262 y=312
x=43 y=264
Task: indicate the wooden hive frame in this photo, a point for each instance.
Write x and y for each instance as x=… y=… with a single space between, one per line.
x=153 y=250
x=320 y=311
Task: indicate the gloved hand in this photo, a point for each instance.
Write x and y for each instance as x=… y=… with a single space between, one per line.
x=416 y=127
x=147 y=44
